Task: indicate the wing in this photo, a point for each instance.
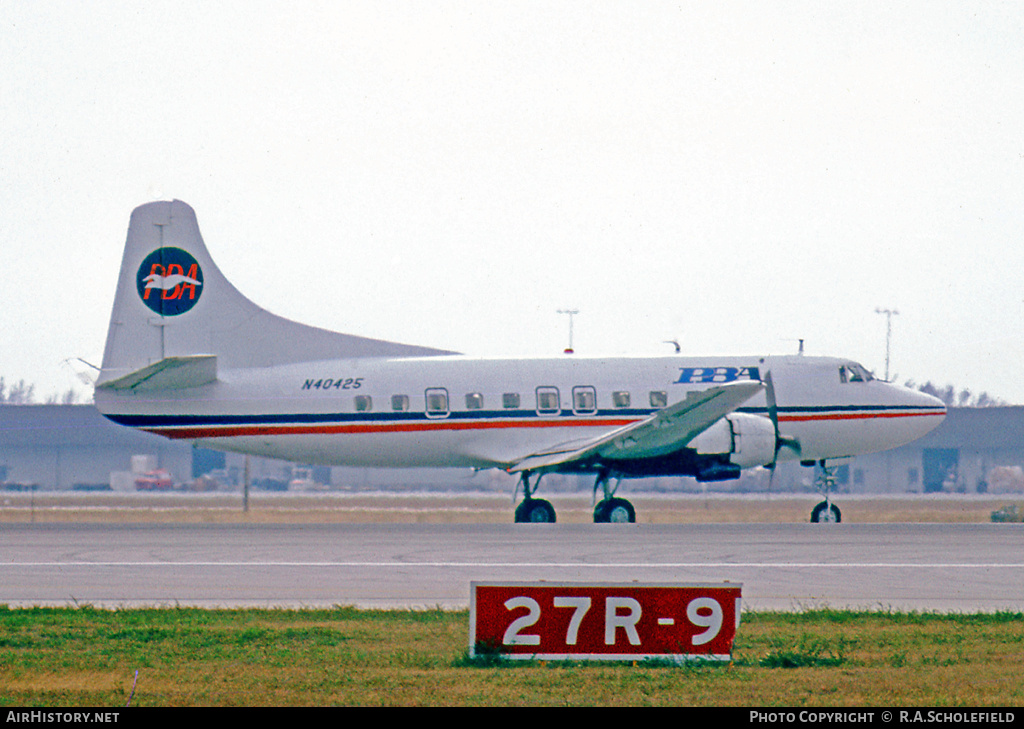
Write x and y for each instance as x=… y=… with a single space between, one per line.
x=666 y=431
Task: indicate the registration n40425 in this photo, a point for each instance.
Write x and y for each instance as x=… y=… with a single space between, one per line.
x=333 y=383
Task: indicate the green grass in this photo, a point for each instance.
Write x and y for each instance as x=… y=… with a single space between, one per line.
x=191 y=657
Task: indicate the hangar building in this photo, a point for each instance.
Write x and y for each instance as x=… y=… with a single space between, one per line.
x=64 y=447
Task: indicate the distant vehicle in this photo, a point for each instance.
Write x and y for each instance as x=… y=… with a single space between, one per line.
x=159 y=480
x=302 y=480
x=190 y=358
x=90 y=487
x=204 y=483
x=270 y=484
x=15 y=486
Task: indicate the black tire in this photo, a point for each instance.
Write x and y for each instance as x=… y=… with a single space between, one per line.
x=535 y=511
x=821 y=514
x=614 y=510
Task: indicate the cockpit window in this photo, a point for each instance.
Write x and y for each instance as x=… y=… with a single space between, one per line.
x=854 y=372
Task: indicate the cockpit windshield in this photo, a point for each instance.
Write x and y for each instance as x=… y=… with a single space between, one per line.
x=854 y=372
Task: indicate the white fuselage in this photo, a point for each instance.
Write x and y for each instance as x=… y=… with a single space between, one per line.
x=463 y=412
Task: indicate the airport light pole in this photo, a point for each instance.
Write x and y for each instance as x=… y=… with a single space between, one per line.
x=571 y=313
x=247 y=478
x=889 y=313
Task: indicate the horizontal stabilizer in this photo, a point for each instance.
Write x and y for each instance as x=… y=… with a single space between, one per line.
x=170 y=373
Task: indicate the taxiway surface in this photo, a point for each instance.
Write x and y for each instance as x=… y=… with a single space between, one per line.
x=924 y=567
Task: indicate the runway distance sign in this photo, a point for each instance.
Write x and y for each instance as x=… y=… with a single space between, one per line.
x=605 y=621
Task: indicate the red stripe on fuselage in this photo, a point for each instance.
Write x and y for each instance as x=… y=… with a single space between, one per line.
x=230 y=431
x=854 y=416
x=418 y=427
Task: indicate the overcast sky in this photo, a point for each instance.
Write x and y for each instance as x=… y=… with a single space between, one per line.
x=732 y=175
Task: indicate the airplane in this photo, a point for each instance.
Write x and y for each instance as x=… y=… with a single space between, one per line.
x=191 y=358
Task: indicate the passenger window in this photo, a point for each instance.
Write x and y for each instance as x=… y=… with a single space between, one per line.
x=400 y=403
x=548 y=401
x=510 y=400
x=620 y=399
x=437 y=402
x=659 y=398
x=474 y=401
x=364 y=403
x=584 y=400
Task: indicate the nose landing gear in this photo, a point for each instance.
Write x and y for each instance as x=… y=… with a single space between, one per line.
x=826 y=512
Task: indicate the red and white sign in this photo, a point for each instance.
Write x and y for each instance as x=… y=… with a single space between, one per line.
x=627 y=621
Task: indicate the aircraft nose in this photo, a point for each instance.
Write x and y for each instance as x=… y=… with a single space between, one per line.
x=927 y=412
x=929 y=401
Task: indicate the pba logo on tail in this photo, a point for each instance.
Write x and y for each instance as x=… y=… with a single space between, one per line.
x=169 y=281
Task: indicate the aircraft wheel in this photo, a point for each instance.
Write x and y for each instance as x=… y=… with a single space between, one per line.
x=615 y=511
x=535 y=511
x=825 y=513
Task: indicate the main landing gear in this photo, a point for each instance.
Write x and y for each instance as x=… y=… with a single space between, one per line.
x=531 y=510
x=825 y=480
x=611 y=509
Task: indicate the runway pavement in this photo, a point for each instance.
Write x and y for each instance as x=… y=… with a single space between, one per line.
x=923 y=567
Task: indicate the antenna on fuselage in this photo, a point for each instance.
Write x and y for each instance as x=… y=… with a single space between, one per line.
x=571 y=313
x=800 y=342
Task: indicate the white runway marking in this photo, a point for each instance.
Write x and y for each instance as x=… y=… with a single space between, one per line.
x=573 y=565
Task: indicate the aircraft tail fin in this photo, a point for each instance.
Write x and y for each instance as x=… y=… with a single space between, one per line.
x=173 y=304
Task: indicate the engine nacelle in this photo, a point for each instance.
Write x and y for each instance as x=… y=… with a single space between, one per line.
x=748 y=440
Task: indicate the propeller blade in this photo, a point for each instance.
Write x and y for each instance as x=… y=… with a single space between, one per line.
x=781 y=441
